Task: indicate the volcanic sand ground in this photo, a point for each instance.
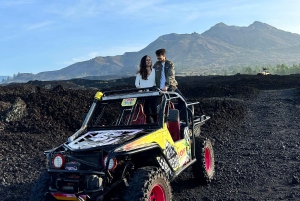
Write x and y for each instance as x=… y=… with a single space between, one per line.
x=256 y=144
x=256 y=159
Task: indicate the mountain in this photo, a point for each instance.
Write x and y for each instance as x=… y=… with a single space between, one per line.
x=221 y=47
x=257 y=36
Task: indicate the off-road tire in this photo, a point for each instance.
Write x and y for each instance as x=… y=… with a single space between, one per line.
x=204 y=167
x=41 y=186
x=144 y=184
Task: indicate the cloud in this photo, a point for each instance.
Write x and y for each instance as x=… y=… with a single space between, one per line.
x=132 y=6
x=168 y=11
x=15 y=3
x=83 y=9
x=104 y=8
x=80 y=9
x=110 y=51
x=90 y=55
x=39 y=25
x=25 y=29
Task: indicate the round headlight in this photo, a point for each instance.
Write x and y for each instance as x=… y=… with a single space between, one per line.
x=112 y=163
x=58 y=161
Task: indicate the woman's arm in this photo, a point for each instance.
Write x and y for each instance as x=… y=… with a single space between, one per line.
x=137 y=80
x=153 y=77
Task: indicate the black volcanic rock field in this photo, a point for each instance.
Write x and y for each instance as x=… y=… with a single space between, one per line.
x=254 y=127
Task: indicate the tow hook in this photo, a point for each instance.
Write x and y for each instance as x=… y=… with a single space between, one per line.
x=79 y=198
x=125 y=182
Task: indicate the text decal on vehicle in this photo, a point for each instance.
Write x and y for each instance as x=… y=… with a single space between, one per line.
x=128 y=102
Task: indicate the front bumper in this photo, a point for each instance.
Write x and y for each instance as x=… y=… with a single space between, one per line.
x=64 y=196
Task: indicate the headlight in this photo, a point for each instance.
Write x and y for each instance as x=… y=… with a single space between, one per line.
x=58 y=161
x=112 y=163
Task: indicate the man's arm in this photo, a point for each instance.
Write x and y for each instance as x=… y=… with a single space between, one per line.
x=170 y=76
x=165 y=88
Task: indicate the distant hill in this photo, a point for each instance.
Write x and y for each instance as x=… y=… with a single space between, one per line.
x=221 y=47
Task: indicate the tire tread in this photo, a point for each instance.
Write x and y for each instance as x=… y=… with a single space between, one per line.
x=141 y=183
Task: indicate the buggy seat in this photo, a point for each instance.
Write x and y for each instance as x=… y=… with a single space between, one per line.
x=174 y=124
x=139 y=116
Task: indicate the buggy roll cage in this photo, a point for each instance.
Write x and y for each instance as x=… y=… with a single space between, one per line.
x=150 y=91
x=130 y=93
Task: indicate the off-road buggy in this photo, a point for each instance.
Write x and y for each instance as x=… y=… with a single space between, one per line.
x=121 y=154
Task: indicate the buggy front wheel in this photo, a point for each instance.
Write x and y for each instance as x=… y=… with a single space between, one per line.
x=148 y=184
x=40 y=187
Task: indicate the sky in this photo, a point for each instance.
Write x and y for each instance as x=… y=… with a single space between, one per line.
x=37 y=36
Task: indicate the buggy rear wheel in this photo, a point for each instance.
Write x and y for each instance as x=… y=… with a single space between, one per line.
x=204 y=167
x=148 y=184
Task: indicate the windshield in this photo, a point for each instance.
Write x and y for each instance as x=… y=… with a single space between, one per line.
x=125 y=112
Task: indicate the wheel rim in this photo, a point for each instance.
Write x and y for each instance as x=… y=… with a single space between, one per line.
x=157 y=193
x=207 y=159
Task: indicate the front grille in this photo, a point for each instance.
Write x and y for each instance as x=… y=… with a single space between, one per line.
x=75 y=183
x=93 y=159
x=69 y=185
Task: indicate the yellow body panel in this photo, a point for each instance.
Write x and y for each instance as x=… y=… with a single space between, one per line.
x=163 y=138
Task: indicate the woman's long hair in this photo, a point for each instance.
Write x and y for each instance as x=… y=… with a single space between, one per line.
x=143 y=70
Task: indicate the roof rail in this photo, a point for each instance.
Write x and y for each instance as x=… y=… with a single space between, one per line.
x=129 y=92
x=124 y=91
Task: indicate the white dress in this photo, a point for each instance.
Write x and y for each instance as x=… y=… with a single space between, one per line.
x=150 y=82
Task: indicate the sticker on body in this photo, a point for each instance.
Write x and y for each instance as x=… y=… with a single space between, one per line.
x=128 y=102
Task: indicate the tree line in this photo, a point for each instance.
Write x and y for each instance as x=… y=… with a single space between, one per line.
x=279 y=69
x=10 y=78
